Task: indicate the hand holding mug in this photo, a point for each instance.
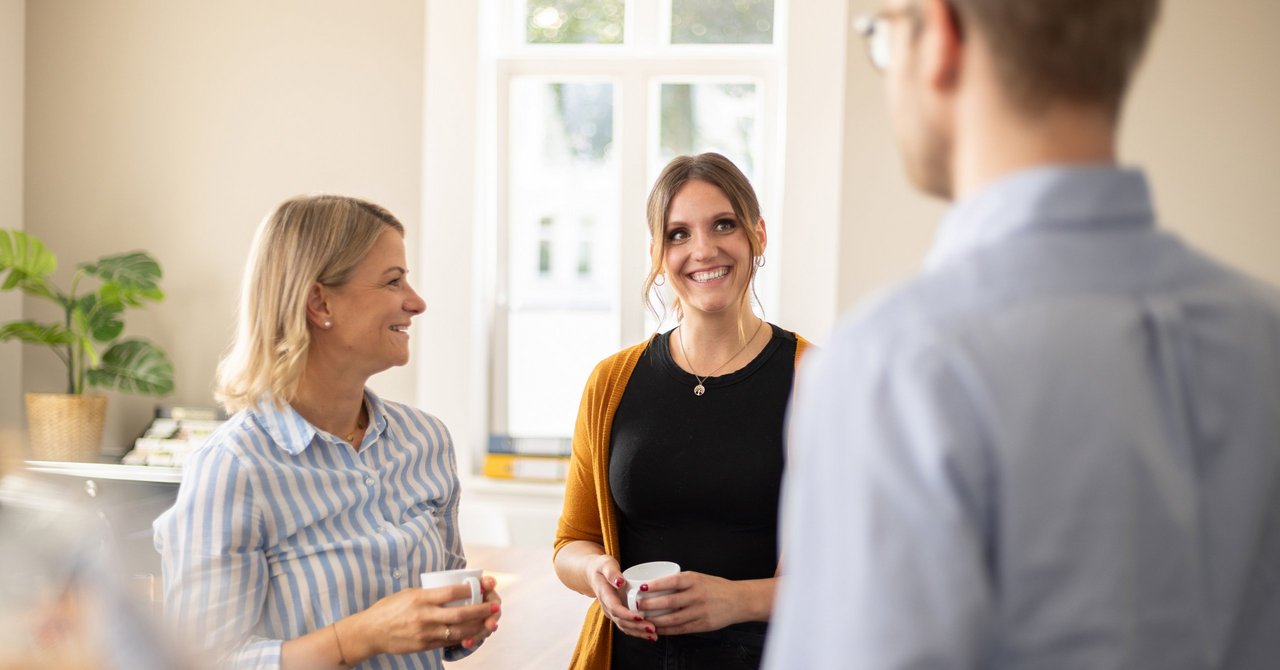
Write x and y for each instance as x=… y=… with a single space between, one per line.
x=693 y=602
x=605 y=577
x=418 y=619
x=638 y=580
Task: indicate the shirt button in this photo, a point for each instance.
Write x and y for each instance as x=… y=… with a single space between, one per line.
x=396 y=573
x=368 y=481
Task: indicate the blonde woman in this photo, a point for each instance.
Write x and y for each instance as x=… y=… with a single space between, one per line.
x=677 y=452
x=302 y=525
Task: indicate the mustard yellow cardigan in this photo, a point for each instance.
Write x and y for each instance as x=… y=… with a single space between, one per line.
x=589 y=513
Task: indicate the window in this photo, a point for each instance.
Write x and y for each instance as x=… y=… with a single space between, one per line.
x=591 y=99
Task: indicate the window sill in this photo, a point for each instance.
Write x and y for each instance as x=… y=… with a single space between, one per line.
x=479 y=484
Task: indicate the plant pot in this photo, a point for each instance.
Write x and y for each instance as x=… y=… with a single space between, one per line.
x=65 y=427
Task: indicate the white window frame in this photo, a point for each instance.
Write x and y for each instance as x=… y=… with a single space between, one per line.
x=636 y=69
x=460 y=213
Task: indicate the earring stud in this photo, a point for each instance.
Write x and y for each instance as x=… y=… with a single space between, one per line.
x=328 y=323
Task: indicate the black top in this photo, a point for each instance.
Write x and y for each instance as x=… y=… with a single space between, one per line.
x=696 y=479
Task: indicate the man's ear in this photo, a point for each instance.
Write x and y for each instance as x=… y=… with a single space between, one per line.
x=318 y=313
x=943 y=44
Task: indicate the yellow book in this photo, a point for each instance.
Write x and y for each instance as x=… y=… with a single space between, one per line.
x=522 y=466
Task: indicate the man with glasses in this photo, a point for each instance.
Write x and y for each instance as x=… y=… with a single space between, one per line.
x=1059 y=445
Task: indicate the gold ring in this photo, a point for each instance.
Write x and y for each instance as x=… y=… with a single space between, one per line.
x=448 y=632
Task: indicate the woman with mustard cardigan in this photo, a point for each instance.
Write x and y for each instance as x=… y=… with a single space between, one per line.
x=677 y=451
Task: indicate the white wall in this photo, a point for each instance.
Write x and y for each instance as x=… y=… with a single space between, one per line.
x=12 y=42
x=175 y=126
x=1202 y=120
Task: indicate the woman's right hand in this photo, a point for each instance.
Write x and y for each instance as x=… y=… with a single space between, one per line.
x=415 y=620
x=605 y=577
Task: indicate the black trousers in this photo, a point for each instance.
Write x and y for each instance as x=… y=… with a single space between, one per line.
x=725 y=649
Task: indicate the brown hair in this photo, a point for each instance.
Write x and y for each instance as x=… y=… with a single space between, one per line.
x=721 y=173
x=1081 y=51
x=304 y=241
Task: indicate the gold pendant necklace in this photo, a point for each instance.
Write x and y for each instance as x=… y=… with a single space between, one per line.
x=700 y=388
x=351 y=437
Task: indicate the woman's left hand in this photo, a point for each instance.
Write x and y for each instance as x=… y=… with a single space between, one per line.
x=704 y=602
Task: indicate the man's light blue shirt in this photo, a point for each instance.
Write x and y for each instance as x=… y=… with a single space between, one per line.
x=1057 y=447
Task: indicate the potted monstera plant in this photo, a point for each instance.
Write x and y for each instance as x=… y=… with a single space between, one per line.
x=68 y=426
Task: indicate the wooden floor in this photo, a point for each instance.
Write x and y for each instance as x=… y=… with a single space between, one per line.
x=540 y=617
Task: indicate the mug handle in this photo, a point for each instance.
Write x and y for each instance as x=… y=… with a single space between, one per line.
x=474 y=583
x=633 y=597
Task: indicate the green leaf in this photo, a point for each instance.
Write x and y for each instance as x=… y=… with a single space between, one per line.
x=102 y=317
x=128 y=278
x=53 y=335
x=28 y=262
x=134 y=366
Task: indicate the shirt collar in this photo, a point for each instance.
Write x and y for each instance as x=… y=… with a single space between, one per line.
x=293 y=434
x=1096 y=196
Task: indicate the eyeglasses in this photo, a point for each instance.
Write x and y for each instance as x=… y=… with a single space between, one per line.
x=875 y=30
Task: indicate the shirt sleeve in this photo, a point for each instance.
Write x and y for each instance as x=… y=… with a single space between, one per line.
x=213 y=562
x=886 y=559
x=447 y=522
x=447 y=525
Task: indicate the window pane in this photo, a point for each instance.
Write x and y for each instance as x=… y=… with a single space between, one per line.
x=561 y=275
x=574 y=21
x=720 y=117
x=722 y=21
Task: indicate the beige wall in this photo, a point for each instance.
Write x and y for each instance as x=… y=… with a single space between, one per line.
x=12 y=28
x=1202 y=121
x=175 y=126
x=1205 y=122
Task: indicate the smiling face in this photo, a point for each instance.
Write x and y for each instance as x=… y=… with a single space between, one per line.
x=370 y=313
x=706 y=253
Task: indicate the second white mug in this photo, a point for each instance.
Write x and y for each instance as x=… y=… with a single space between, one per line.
x=468 y=576
x=642 y=574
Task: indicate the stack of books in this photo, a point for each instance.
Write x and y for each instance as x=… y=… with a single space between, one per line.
x=527 y=458
x=173 y=434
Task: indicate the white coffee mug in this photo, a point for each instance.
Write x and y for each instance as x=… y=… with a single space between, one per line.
x=468 y=576
x=641 y=575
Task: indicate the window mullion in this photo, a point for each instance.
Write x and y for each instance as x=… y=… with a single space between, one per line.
x=634 y=122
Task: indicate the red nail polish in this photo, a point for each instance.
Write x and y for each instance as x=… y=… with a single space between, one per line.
x=653 y=639
x=618 y=583
x=494 y=608
x=467 y=643
x=639 y=618
x=648 y=630
x=644 y=587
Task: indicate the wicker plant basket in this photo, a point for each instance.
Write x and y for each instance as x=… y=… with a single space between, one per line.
x=66 y=427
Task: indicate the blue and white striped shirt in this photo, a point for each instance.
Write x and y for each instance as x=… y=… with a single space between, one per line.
x=280 y=528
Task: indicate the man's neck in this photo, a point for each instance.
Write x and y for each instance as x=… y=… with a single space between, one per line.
x=992 y=141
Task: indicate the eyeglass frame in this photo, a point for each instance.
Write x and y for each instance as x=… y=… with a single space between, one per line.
x=874 y=30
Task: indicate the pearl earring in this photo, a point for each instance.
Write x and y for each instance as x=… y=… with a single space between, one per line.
x=328 y=323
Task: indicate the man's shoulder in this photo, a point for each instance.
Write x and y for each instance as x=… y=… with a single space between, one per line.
x=915 y=309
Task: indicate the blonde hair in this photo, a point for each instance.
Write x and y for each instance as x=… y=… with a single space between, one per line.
x=305 y=241
x=720 y=172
